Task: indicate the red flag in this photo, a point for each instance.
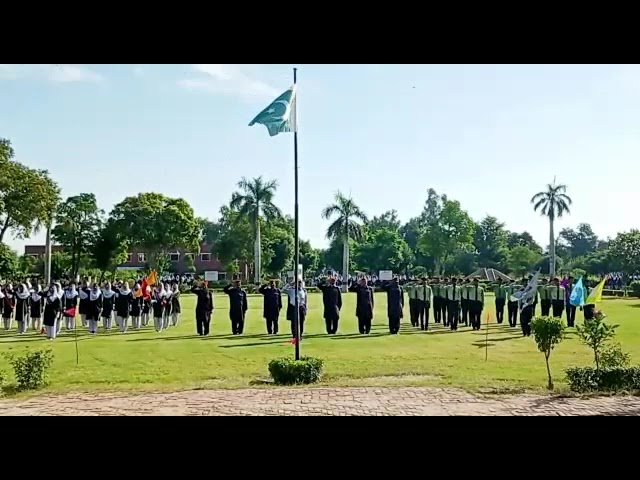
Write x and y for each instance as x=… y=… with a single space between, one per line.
x=143 y=287
x=71 y=312
x=293 y=341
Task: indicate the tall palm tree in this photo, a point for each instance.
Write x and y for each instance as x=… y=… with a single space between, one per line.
x=344 y=227
x=254 y=202
x=552 y=203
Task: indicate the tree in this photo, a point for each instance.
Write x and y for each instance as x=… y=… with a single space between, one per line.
x=28 y=197
x=596 y=334
x=463 y=261
x=256 y=201
x=626 y=249
x=548 y=333
x=388 y=220
x=524 y=239
x=383 y=249
x=412 y=232
x=346 y=226
x=522 y=260
x=158 y=224
x=552 y=203
x=448 y=230
x=110 y=248
x=235 y=239
x=188 y=261
x=78 y=224
x=332 y=257
x=278 y=245
x=579 y=242
x=544 y=265
x=8 y=262
x=211 y=231
x=490 y=240
x=26 y=265
x=60 y=265
x=309 y=257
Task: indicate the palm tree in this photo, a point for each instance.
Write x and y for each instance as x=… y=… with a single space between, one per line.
x=552 y=203
x=346 y=226
x=255 y=201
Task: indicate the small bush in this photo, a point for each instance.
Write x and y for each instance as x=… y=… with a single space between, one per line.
x=589 y=379
x=596 y=334
x=287 y=371
x=548 y=333
x=614 y=357
x=635 y=288
x=31 y=369
x=3 y=378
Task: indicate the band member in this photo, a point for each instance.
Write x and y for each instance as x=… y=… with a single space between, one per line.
x=424 y=293
x=69 y=305
x=291 y=307
x=22 y=308
x=124 y=299
x=476 y=304
x=204 y=308
x=108 y=303
x=412 y=293
x=436 y=287
x=501 y=300
x=364 y=305
x=464 y=300
x=175 y=305
x=395 y=304
x=272 y=304
x=83 y=295
x=557 y=298
x=454 y=294
x=94 y=308
x=571 y=309
x=36 y=308
x=8 y=305
x=168 y=306
x=158 y=300
x=52 y=308
x=332 y=303
x=237 y=306
x=512 y=307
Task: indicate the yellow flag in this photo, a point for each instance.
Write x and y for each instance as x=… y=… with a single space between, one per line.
x=596 y=294
x=152 y=278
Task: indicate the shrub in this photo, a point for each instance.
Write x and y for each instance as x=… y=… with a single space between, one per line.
x=31 y=369
x=596 y=334
x=589 y=379
x=635 y=288
x=287 y=371
x=547 y=332
x=614 y=357
x=3 y=378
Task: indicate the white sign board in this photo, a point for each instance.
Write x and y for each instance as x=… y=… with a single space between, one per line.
x=211 y=276
x=290 y=272
x=385 y=275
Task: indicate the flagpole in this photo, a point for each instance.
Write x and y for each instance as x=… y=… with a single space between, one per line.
x=296 y=259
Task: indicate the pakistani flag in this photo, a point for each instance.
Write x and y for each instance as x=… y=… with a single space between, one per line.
x=527 y=295
x=280 y=115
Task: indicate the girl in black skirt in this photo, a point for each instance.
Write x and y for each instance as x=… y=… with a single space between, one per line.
x=175 y=305
x=158 y=301
x=36 y=307
x=69 y=306
x=136 y=306
x=168 y=297
x=8 y=304
x=22 y=308
x=94 y=308
x=124 y=298
x=83 y=295
x=52 y=308
x=108 y=301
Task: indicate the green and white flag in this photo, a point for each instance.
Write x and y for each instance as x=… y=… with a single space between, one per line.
x=280 y=115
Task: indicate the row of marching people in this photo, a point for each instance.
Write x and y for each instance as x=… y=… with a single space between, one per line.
x=48 y=309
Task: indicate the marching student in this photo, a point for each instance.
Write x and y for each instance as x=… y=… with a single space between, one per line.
x=168 y=306
x=424 y=293
x=83 y=294
x=557 y=298
x=237 y=306
x=69 y=305
x=22 y=308
x=52 y=308
x=146 y=306
x=124 y=299
x=454 y=294
x=545 y=297
x=512 y=307
x=364 y=305
x=395 y=304
x=501 y=300
x=465 y=302
x=36 y=307
x=108 y=302
x=8 y=304
x=571 y=309
x=332 y=303
x=412 y=292
x=271 y=306
x=475 y=294
x=437 y=299
x=158 y=299
x=204 y=308
x=136 y=306
x=175 y=305
x=444 y=305
x=291 y=306
x=94 y=308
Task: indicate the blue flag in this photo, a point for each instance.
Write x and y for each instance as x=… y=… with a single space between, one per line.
x=577 y=294
x=280 y=115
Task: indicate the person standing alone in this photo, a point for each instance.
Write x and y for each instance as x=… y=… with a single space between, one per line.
x=332 y=302
x=237 y=306
x=271 y=306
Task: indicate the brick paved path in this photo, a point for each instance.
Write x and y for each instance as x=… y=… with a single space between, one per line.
x=318 y=401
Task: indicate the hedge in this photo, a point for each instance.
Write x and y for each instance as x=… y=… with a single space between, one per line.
x=287 y=371
x=588 y=379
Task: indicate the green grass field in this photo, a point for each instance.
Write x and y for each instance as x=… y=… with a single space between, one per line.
x=179 y=359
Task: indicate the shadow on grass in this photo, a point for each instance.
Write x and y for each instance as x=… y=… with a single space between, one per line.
x=490 y=340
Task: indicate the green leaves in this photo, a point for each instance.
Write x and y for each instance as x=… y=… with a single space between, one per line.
x=8 y=262
x=548 y=332
x=626 y=247
x=596 y=334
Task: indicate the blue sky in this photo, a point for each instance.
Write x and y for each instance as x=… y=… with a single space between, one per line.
x=490 y=136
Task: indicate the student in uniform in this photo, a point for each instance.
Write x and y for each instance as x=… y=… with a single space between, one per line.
x=271 y=306
x=395 y=304
x=527 y=313
x=22 y=308
x=475 y=294
x=69 y=305
x=108 y=302
x=437 y=299
x=136 y=306
x=60 y=293
x=204 y=308
x=557 y=298
x=52 y=308
x=571 y=309
x=158 y=300
x=364 y=305
x=512 y=307
x=332 y=303
x=589 y=308
x=175 y=305
x=424 y=303
x=36 y=308
x=83 y=295
x=237 y=306
x=444 y=305
x=94 y=308
x=501 y=300
x=412 y=292
x=454 y=295
x=146 y=306
x=545 y=297
x=8 y=305
x=124 y=299
x=168 y=306
x=291 y=306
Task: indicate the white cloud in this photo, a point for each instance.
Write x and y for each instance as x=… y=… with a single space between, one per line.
x=228 y=80
x=56 y=73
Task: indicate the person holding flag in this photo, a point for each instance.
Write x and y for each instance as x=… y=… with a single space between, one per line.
x=593 y=297
x=526 y=297
x=136 y=306
x=569 y=287
x=69 y=305
x=576 y=299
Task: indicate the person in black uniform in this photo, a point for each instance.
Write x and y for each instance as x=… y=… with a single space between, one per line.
x=204 y=308
x=527 y=313
x=83 y=294
x=8 y=304
x=512 y=307
x=22 y=308
x=364 y=305
x=444 y=304
x=52 y=308
x=271 y=306
x=94 y=308
x=124 y=299
x=332 y=302
x=69 y=306
x=571 y=309
x=395 y=304
x=237 y=306
x=437 y=299
x=108 y=302
x=136 y=306
x=501 y=300
x=454 y=295
x=36 y=308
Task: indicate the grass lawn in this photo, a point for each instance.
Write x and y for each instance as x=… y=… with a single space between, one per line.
x=178 y=359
